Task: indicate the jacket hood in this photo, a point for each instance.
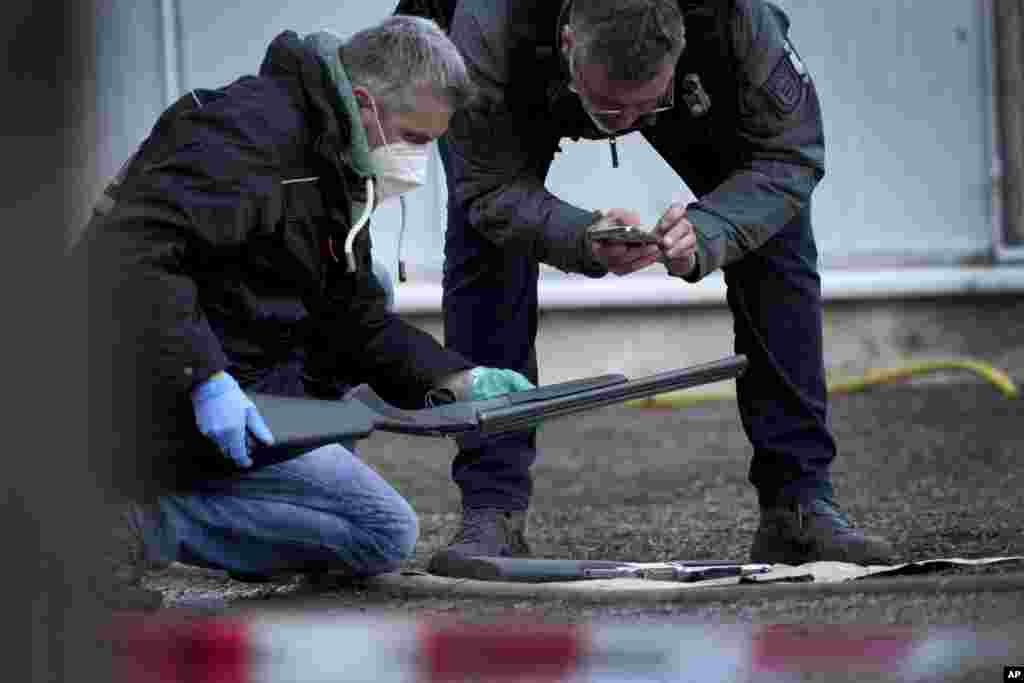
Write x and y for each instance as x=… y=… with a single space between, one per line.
x=325 y=45
x=324 y=88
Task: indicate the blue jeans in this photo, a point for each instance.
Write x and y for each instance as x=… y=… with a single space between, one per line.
x=323 y=511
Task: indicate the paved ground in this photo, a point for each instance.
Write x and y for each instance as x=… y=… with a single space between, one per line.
x=934 y=466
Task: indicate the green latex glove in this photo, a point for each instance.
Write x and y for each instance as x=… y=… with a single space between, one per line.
x=488 y=383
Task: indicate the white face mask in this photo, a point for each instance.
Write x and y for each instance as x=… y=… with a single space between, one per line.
x=400 y=166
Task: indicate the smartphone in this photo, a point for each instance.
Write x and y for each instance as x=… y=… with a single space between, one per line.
x=630 y=235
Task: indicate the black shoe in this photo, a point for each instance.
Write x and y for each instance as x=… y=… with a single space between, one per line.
x=488 y=532
x=122 y=565
x=795 y=533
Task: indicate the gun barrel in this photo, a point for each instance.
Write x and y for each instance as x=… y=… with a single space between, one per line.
x=517 y=418
x=613 y=573
x=674 y=571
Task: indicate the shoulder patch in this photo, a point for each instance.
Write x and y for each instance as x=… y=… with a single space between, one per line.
x=785 y=85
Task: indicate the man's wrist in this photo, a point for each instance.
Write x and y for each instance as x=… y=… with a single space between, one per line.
x=690 y=272
x=590 y=265
x=459 y=384
x=214 y=385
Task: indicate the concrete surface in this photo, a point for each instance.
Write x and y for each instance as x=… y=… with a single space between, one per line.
x=858 y=335
x=932 y=464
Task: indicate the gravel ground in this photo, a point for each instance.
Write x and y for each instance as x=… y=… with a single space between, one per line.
x=930 y=465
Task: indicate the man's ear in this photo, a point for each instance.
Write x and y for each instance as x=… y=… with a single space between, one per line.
x=362 y=95
x=367 y=114
x=568 y=38
x=368 y=105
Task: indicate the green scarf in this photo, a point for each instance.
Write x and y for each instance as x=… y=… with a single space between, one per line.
x=325 y=45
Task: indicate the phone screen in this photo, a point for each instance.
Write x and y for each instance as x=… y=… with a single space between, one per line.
x=632 y=236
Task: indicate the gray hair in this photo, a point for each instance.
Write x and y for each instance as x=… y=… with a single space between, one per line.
x=403 y=54
x=630 y=38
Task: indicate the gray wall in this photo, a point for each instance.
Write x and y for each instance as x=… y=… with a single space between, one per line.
x=905 y=88
x=129 y=78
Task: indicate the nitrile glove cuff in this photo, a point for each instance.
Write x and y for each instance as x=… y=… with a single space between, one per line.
x=477 y=391
x=487 y=383
x=215 y=385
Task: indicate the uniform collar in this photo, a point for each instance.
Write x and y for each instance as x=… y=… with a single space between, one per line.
x=562 y=92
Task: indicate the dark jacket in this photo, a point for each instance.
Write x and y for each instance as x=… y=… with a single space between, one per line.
x=212 y=257
x=753 y=158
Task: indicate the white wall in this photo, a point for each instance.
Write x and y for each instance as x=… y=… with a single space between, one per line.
x=904 y=86
x=905 y=98
x=129 y=78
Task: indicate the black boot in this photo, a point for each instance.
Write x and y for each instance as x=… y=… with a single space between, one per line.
x=793 y=532
x=486 y=532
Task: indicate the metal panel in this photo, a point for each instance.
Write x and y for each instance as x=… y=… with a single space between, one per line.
x=129 y=79
x=224 y=40
x=1007 y=23
x=905 y=97
x=905 y=89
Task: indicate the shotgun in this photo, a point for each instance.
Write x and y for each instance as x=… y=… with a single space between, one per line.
x=538 y=570
x=302 y=424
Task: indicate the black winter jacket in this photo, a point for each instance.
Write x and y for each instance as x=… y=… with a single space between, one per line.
x=217 y=255
x=753 y=157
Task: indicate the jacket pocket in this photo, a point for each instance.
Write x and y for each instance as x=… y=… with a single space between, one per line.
x=303 y=229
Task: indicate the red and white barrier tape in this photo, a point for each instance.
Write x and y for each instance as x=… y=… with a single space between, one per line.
x=337 y=648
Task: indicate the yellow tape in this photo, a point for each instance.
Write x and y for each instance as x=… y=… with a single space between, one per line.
x=999 y=379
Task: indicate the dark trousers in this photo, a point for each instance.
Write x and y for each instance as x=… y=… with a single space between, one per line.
x=775 y=297
x=490 y=316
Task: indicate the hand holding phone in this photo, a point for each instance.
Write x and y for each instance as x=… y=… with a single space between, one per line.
x=630 y=235
x=679 y=240
x=621 y=244
x=621 y=227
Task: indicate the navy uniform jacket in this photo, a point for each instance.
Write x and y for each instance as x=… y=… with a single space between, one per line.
x=210 y=259
x=752 y=158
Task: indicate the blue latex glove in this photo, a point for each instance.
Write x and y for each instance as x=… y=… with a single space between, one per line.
x=226 y=416
x=487 y=383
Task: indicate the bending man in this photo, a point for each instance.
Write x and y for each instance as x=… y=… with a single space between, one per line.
x=719 y=91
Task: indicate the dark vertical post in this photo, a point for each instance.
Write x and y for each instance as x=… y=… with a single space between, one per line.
x=50 y=498
x=1008 y=24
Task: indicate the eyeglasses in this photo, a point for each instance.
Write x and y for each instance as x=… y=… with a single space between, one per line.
x=665 y=102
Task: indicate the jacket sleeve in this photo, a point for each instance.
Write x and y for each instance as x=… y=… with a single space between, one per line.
x=203 y=190
x=368 y=343
x=781 y=138
x=499 y=154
